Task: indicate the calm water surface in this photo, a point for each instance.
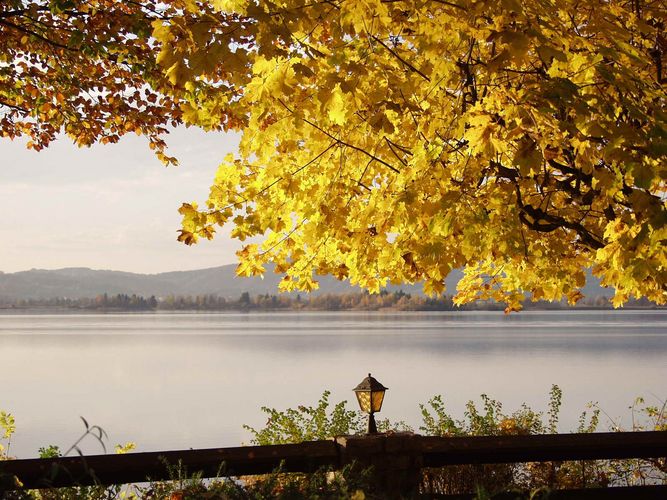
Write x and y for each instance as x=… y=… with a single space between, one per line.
x=172 y=381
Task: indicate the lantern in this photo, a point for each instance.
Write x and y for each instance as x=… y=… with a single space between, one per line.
x=370 y=394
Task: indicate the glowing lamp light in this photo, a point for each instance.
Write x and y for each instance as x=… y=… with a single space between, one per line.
x=370 y=394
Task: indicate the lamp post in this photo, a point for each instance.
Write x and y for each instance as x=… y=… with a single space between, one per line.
x=370 y=394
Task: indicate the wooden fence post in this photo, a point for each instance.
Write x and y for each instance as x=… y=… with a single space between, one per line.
x=396 y=460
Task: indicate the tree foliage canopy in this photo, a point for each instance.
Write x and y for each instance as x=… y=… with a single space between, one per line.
x=85 y=68
x=393 y=141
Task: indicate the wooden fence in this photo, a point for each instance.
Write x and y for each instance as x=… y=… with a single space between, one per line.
x=396 y=457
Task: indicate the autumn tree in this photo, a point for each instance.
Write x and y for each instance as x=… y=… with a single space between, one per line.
x=396 y=141
x=87 y=69
x=393 y=141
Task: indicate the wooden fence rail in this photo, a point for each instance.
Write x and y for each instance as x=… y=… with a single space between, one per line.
x=395 y=454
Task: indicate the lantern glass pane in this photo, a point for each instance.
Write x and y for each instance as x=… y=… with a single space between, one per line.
x=376 y=399
x=364 y=398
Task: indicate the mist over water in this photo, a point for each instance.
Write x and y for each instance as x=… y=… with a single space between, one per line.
x=174 y=381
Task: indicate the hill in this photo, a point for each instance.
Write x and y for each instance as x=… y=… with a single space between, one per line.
x=79 y=282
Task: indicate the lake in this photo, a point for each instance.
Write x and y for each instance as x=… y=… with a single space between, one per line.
x=176 y=381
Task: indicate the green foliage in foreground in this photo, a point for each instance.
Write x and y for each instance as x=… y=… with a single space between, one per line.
x=307 y=423
x=325 y=420
x=312 y=423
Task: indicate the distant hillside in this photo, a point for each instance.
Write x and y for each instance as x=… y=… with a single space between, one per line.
x=222 y=281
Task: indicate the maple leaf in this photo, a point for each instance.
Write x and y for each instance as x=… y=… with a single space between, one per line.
x=336 y=107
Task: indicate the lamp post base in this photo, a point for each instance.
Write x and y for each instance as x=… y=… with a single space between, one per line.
x=372 y=428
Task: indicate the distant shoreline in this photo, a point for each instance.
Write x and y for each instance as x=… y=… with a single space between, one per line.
x=245 y=302
x=26 y=311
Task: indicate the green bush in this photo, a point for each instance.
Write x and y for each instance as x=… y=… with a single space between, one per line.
x=307 y=423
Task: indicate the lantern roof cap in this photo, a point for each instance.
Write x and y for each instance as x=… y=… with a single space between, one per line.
x=370 y=384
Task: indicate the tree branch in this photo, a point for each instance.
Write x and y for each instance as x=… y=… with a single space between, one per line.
x=36 y=35
x=14 y=107
x=405 y=63
x=553 y=222
x=339 y=141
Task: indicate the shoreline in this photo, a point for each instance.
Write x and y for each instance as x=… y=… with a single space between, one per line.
x=27 y=311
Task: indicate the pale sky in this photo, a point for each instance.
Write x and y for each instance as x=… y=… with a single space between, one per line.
x=108 y=207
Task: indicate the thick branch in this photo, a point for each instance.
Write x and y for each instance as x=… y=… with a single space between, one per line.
x=12 y=13
x=584 y=177
x=545 y=222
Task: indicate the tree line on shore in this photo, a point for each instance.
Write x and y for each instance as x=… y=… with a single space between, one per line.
x=357 y=301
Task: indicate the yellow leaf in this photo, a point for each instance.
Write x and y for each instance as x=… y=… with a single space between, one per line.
x=177 y=74
x=336 y=107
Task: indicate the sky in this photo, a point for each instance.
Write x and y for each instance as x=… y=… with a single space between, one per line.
x=108 y=207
